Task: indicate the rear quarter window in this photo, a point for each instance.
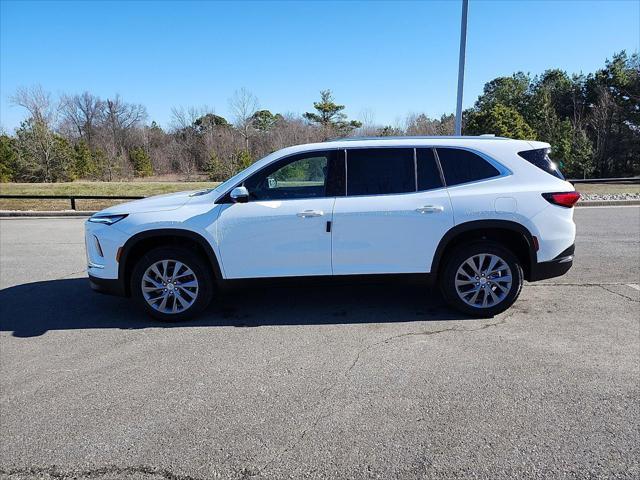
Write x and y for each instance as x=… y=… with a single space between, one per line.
x=540 y=158
x=462 y=166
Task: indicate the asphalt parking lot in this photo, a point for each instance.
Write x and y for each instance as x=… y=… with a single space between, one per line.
x=348 y=381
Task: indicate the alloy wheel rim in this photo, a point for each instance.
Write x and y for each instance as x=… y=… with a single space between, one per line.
x=483 y=280
x=169 y=286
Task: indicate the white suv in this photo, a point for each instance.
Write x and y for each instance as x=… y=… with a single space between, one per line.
x=476 y=215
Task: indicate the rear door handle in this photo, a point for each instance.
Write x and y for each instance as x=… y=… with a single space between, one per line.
x=310 y=213
x=430 y=209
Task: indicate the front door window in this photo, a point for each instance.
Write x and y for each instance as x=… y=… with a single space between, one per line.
x=296 y=178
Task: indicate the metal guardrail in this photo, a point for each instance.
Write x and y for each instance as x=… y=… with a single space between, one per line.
x=71 y=198
x=630 y=180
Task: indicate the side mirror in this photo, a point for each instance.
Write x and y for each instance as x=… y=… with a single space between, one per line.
x=240 y=195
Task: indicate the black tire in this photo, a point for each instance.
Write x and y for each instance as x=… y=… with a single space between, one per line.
x=460 y=255
x=196 y=263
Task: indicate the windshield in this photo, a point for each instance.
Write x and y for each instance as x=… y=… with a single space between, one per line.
x=228 y=183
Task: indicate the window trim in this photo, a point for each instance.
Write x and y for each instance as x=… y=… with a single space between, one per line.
x=415 y=167
x=442 y=179
x=502 y=170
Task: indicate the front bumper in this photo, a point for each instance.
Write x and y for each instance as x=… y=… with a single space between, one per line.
x=102 y=244
x=107 y=286
x=553 y=268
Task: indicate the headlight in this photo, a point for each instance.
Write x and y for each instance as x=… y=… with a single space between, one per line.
x=107 y=219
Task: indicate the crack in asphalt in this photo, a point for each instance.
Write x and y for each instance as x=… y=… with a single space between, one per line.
x=72 y=273
x=619 y=294
x=327 y=390
x=60 y=474
x=586 y=284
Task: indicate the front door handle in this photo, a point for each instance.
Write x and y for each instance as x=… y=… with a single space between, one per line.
x=310 y=213
x=430 y=209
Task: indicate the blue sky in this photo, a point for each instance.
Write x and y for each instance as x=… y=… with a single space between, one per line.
x=389 y=58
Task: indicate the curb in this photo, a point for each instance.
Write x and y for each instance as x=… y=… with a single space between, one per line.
x=607 y=203
x=86 y=213
x=44 y=214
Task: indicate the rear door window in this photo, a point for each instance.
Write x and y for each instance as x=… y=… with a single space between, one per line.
x=428 y=172
x=540 y=158
x=380 y=171
x=462 y=166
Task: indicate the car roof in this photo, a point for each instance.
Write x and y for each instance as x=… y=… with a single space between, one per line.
x=487 y=144
x=420 y=137
x=482 y=143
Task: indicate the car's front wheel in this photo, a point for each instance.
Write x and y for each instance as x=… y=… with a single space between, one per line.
x=172 y=283
x=481 y=279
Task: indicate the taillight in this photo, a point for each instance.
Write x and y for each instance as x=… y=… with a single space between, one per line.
x=563 y=199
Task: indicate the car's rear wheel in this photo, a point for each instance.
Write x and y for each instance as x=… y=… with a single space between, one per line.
x=481 y=279
x=172 y=283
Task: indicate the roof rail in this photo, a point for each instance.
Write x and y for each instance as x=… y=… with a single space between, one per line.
x=486 y=136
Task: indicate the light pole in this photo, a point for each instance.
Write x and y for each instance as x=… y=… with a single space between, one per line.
x=463 y=48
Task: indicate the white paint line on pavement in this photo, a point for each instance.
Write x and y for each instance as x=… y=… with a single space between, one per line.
x=634 y=286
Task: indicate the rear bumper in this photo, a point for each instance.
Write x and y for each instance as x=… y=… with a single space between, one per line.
x=108 y=286
x=553 y=268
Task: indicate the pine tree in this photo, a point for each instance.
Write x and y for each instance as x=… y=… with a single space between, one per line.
x=141 y=162
x=330 y=116
x=84 y=165
x=8 y=159
x=243 y=159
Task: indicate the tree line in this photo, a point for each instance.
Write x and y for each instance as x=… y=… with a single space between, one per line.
x=592 y=122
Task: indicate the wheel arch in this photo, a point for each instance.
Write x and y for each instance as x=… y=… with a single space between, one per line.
x=512 y=234
x=144 y=241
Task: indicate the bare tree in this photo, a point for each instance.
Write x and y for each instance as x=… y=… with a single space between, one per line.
x=85 y=112
x=293 y=130
x=602 y=113
x=120 y=120
x=121 y=116
x=368 y=121
x=182 y=117
x=244 y=105
x=37 y=102
x=421 y=124
x=37 y=140
x=186 y=150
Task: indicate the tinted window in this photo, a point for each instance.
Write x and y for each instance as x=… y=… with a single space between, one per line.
x=301 y=176
x=461 y=166
x=428 y=172
x=379 y=171
x=540 y=158
x=336 y=182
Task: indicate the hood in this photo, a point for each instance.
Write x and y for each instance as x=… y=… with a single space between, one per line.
x=158 y=203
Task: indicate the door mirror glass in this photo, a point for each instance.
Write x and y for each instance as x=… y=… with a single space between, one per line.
x=240 y=195
x=273 y=183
